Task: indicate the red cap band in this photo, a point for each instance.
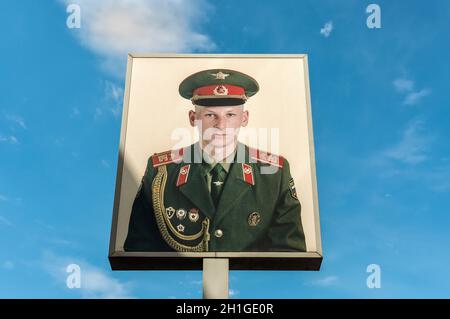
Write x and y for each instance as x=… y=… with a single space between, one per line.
x=221 y=89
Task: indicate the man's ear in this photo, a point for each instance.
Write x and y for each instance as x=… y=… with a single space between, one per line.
x=245 y=116
x=192 y=115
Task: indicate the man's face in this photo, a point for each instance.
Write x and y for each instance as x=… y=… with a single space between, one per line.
x=219 y=125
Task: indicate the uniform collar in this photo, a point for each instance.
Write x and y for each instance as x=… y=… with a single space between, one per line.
x=208 y=163
x=194 y=187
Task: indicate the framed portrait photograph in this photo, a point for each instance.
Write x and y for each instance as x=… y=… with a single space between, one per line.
x=216 y=160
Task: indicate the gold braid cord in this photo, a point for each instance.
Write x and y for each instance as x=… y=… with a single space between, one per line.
x=162 y=220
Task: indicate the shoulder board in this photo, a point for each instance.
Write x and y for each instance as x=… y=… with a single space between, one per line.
x=265 y=157
x=167 y=157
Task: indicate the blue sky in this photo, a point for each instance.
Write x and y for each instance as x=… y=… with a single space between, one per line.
x=380 y=102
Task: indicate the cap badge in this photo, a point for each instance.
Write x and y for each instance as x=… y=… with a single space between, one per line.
x=220 y=90
x=219 y=75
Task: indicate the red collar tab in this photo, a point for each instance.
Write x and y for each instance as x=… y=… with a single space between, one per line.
x=183 y=175
x=247 y=174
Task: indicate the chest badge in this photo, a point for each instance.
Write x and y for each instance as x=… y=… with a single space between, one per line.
x=181 y=213
x=193 y=215
x=254 y=219
x=170 y=211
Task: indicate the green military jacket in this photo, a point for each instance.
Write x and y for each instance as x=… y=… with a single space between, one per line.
x=258 y=208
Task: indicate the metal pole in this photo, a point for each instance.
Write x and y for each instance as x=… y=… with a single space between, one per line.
x=215 y=278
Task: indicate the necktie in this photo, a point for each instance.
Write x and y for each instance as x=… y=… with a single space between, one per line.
x=218 y=176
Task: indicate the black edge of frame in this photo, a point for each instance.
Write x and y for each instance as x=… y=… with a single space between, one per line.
x=193 y=263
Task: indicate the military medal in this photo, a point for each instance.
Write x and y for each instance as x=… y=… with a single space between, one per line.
x=170 y=211
x=181 y=213
x=254 y=219
x=193 y=215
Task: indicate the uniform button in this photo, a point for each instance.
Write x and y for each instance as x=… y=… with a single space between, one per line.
x=218 y=233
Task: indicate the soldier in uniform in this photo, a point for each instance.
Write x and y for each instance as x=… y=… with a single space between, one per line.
x=217 y=194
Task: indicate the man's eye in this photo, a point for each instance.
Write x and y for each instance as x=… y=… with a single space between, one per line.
x=231 y=114
x=209 y=115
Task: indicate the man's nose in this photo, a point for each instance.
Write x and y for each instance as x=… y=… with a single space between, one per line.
x=221 y=122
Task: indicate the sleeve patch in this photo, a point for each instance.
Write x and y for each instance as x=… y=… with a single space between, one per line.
x=292 y=189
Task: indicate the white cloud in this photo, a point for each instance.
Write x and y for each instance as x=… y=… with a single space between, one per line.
x=196 y=282
x=113 y=28
x=413 y=145
x=95 y=282
x=105 y=164
x=233 y=292
x=403 y=85
x=16 y=120
x=406 y=86
x=4 y=221
x=62 y=242
x=327 y=281
x=44 y=225
x=438 y=178
x=98 y=112
x=59 y=141
x=112 y=101
x=415 y=97
x=327 y=29
x=8 y=265
x=114 y=95
x=400 y=161
x=75 y=112
x=9 y=139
